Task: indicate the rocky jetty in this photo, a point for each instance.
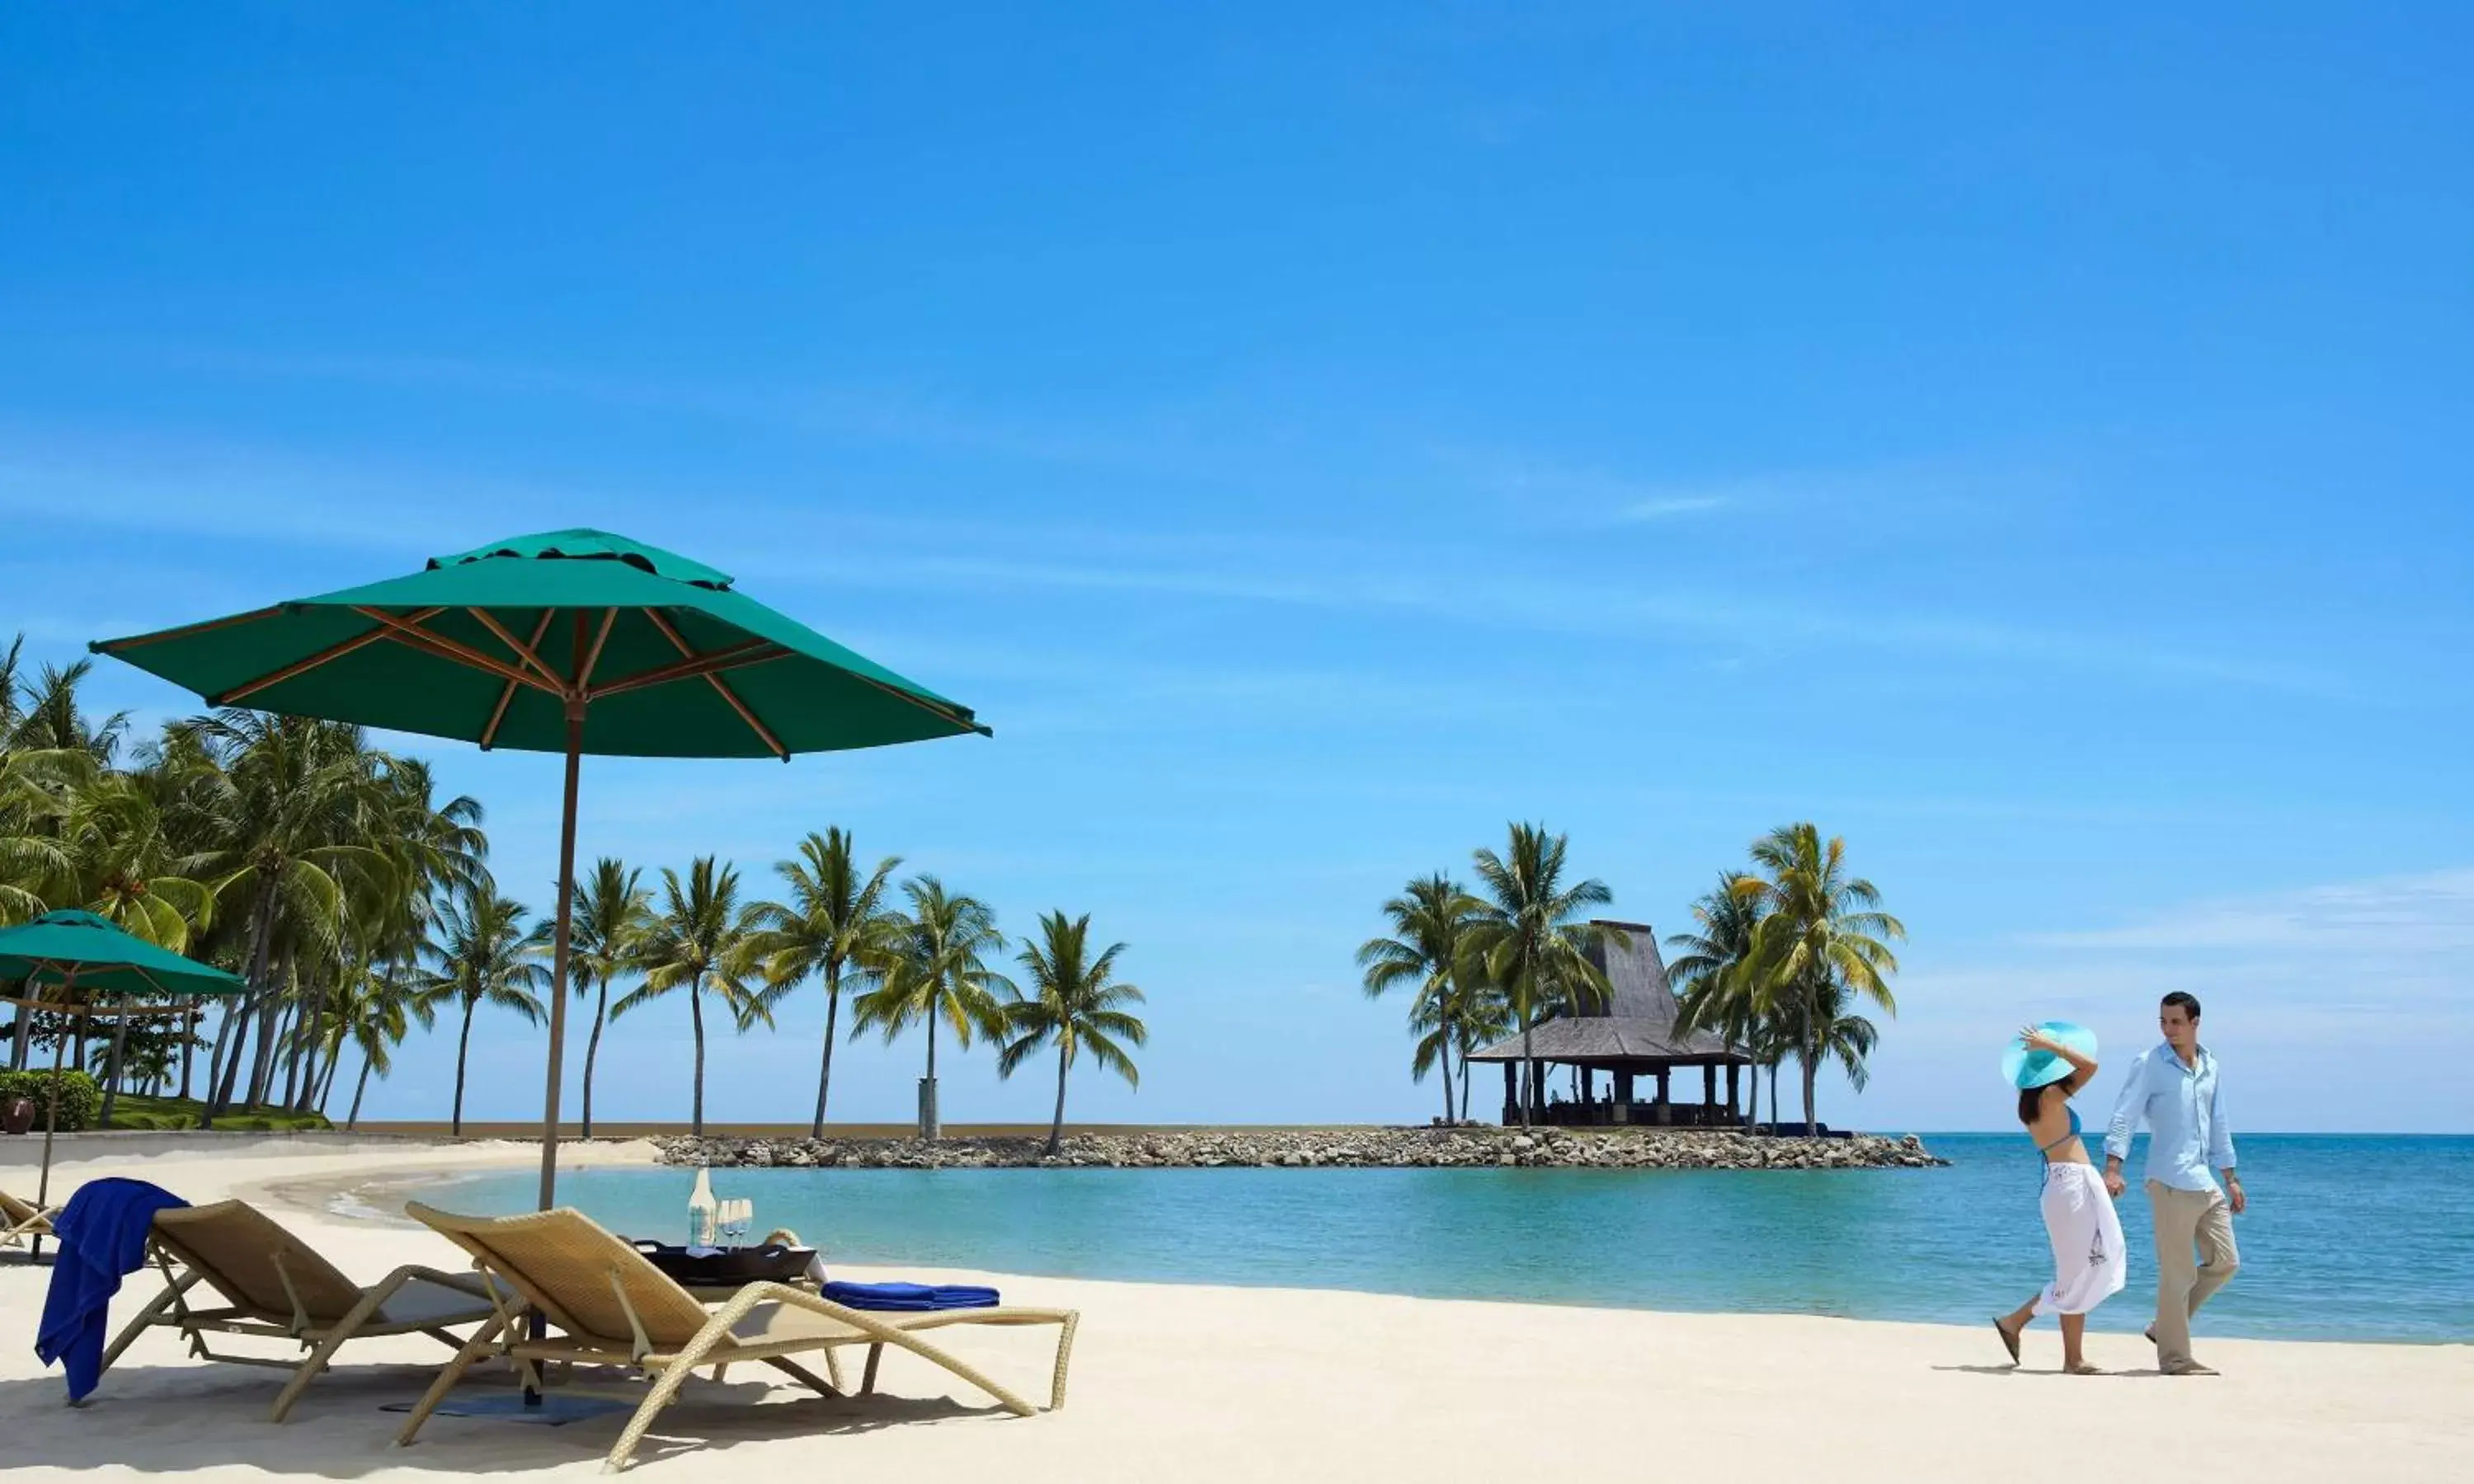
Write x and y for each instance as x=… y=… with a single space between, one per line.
x=1349 y=1148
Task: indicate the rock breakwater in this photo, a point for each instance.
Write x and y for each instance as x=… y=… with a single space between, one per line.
x=1347 y=1148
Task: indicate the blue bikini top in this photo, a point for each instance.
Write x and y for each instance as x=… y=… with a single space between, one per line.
x=2046 y=1153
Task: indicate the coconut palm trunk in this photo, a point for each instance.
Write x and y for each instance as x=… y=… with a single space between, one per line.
x=1530 y=1072
x=463 y=1045
x=593 y=1047
x=188 y=1044
x=1057 y=1125
x=261 y=989
x=112 y=1068
x=359 y=1087
x=825 y=1070
x=695 y=1013
x=928 y=1126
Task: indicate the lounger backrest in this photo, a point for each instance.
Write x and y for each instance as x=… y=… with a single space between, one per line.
x=564 y=1263
x=14 y=1211
x=254 y=1263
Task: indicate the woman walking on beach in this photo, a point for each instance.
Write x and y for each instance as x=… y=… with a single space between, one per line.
x=2049 y=1064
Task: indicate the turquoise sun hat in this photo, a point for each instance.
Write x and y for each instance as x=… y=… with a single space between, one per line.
x=2024 y=1068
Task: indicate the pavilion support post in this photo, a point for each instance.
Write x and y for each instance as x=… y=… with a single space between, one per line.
x=1708 y=1085
x=1511 y=1094
x=1732 y=1104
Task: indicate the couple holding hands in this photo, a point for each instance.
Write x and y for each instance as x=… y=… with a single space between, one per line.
x=2174 y=1088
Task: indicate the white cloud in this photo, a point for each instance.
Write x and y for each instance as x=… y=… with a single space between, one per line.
x=1667 y=507
x=2382 y=921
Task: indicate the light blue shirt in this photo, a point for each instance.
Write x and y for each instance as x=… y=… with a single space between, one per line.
x=2188 y=1138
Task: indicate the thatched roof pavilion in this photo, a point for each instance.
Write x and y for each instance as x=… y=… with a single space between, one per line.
x=1634 y=1035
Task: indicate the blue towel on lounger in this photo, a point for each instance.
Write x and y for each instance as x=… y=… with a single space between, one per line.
x=102 y=1240
x=910 y=1297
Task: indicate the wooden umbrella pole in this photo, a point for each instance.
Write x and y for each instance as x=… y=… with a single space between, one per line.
x=51 y=1122
x=559 y=941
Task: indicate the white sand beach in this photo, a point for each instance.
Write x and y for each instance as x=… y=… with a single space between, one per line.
x=1196 y=1383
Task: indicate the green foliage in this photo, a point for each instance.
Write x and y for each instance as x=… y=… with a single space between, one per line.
x=80 y=1099
x=1434 y=928
x=356 y=903
x=1077 y=1004
x=172 y=1114
x=1531 y=941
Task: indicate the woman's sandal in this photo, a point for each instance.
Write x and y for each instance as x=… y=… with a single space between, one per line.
x=2009 y=1341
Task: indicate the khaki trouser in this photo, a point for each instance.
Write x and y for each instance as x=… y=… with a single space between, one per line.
x=2188 y=1219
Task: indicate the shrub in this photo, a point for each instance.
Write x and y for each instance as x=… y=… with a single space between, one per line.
x=80 y=1100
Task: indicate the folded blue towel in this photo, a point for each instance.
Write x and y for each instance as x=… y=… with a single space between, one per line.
x=910 y=1297
x=103 y=1239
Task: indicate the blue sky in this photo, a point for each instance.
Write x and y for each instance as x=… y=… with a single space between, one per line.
x=2031 y=447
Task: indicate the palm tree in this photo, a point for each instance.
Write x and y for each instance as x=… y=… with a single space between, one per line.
x=1714 y=989
x=1532 y=949
x=1845 y=1039
x=123 y=871
x=835 y=920
x=1820 y=942
x=698 y=941
x=937 y=971
x=1077 y=1004
x=375 y=1014
x=51 y=718
x=288 y=805
x=611 y=912
x=1431 y=924
x=479 y=953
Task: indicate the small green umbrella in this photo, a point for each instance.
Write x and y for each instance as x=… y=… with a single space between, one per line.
x=62 y=953
x=570 y=641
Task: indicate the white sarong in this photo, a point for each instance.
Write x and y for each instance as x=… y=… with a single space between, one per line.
x=2089 y=1263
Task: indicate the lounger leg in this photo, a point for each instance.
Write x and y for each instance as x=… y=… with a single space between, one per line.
x=954 y=1364
x=834 y=1367
x=804 y=1376
x=148 y=1315
x=474 y=1350
x=868 y=1377
x=1064 y=1357
x=319 y=1358
x=665 y=1388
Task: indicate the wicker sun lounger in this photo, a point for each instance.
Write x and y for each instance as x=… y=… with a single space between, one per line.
x=606 y=1304
x=276 y=1286
x=19 y=1220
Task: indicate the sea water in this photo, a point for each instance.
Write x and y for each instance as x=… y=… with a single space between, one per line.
x=2352 y=1237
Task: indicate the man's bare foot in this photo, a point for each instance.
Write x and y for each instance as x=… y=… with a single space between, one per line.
x=2189 y=1368
x=2009 y=1339
x=2081 y=1368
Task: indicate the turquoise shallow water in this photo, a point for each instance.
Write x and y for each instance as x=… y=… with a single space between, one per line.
x=2348 y=1237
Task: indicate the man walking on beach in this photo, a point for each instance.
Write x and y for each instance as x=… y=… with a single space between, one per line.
x=2174 y=1087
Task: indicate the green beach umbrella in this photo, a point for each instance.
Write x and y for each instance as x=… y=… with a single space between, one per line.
x=570 y=642
x=59 y=954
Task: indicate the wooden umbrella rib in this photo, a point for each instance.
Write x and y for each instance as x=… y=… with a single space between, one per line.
x=735 y=657
x=302 y=666
x=524 y=652
x=592 y=659
x=439 y=644
x=507 y=692
x=932 y=709
x=678 y=641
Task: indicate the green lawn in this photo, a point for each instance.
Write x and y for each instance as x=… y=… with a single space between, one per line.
x=176 y=1112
